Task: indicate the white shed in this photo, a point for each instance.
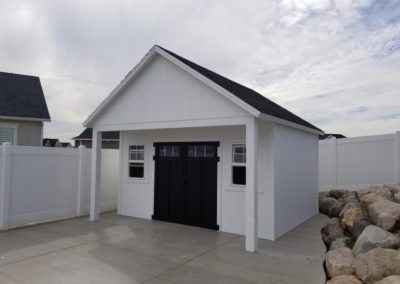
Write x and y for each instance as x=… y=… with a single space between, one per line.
x=199 y=149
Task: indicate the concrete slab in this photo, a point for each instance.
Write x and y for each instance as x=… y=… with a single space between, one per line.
x=127 y=250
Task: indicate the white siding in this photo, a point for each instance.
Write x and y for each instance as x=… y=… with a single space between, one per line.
x=137 y=197
x=295 y=177
x=164 y=92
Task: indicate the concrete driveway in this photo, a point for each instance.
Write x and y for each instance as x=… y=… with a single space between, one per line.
x=128 y=250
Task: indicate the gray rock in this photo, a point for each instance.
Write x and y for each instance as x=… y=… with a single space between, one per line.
x=385 y=214
x=373 y=237
x=344 y=279
x=394 y=279
x=396 y=197
x=341 y=243
x=377 y=264
x=330 y=206
x=331 y=231
x=338 y=193
x=353 y=219
x=369 y=198
x=339 y=262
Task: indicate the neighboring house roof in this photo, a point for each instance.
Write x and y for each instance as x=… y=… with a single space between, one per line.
x=330 y=135
x=87 y=134
x=49 y=142
x=245 y=95
x=22 y=96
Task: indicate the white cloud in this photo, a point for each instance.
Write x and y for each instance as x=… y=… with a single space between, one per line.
x=335 y=62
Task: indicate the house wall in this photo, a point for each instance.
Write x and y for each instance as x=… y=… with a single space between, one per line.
x=359 y=161
x=162 y=92
x=29 y=133
x=137 y=196
x=295 y=177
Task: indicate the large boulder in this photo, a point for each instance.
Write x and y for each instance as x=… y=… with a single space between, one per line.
x=377 y=264
x=394 y=279
x=396 y=197
x=369 y=198
x=350 y=197
x=353 y=219
x=330 y=206
x=338 y=193
x=373 y=237
x=344 y=279
x=385 y=214
x=341 y=243
x=332 y=231
x=339 y=262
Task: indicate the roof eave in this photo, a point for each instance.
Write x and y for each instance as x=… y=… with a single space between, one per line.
x=284 y=122
x=22 y=118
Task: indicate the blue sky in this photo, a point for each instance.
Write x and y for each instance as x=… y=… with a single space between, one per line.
x=334 y=62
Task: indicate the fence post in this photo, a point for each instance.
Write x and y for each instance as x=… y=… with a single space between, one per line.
x=5 y=175
x=81 y=178
x=397 y=157
x=334 y=157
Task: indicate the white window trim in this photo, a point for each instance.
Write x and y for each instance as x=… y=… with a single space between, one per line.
x=234 y=186
x=137 y=161
x=14 y=126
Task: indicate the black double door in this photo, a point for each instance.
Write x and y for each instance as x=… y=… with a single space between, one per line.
x=186 y=183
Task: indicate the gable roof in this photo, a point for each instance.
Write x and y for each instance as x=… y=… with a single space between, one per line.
x=22 y=96
x=87 y=134
x=246 y=96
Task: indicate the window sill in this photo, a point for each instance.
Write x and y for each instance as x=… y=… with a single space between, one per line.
x=136 y=180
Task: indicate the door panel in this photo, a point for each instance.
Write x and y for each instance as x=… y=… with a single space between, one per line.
x=186 y=183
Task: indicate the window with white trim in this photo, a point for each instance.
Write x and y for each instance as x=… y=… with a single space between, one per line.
x=136 y=161
x=239 y=164
x=7 y=134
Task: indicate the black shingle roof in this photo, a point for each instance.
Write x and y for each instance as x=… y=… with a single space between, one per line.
x=22 y=96
x=88 y=133
x=247 y=95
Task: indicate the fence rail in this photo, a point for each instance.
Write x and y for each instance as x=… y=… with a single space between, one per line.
x=359 y=161
x=39 y=184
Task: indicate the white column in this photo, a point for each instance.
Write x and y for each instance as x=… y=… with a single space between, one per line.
x=95 y=176
x=251 y=185
x=81 y=178
x=397 y=157
x=5 y=175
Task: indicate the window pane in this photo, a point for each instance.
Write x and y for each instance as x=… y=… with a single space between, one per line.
x=239 y=154
x=7 y=135
x=136 y=152
x=202 y=151
x=136 y=170
x=239 y=175
x=169 y=151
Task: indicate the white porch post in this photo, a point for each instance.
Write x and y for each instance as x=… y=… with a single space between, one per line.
x=95 y=176
x=251 y=185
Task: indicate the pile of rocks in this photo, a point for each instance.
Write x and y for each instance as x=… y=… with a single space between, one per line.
x=363 y=235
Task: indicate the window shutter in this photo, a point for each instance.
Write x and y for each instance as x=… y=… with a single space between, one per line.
x=7 y=135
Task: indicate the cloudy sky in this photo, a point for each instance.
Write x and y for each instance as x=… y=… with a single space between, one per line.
x=334 y=62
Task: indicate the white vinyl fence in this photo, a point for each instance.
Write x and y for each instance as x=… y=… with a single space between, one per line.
x=359 y=161
x=39 y=184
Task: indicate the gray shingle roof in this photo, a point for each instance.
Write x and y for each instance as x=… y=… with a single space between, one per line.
x=88 y=134
x=247 y=95
x=22 y=96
